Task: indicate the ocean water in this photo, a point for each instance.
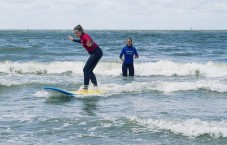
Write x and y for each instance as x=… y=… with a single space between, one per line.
x=178 y=94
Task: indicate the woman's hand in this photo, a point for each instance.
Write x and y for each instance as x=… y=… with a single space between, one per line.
x=89 y=43
x=70 y=38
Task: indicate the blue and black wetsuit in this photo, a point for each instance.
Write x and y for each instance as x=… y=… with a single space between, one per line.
x=128 y=52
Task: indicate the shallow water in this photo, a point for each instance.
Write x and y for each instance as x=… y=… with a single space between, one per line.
x=178 y=94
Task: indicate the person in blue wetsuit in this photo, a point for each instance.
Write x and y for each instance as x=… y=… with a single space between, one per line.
x=129 y=53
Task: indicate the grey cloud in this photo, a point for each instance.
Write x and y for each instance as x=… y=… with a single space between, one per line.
x=116 y=14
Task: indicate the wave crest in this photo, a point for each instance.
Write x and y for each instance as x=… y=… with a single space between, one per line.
x=164 y=68
x=190 y=127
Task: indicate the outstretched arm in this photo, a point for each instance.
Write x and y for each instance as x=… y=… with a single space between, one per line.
x=74 y=40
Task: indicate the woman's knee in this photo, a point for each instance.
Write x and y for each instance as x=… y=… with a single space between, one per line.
x=85 y=70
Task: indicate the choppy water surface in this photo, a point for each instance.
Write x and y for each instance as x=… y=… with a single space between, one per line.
x=178 y=94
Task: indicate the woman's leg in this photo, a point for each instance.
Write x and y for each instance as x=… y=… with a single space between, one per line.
x=124 y=70
x=93 y=78
x=131 y=70
x=89 y=67
x=86 y=69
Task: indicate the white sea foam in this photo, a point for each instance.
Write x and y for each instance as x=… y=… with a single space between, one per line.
x=167 y=87
x=41 y=68
x=12 y=116
x=189 y=127
x=169 y=68
x=138 y=87
x=23 y=81
x=165 y=68
x=16 y=80
x=41 y=94
x=5 y=82
x=212 y=85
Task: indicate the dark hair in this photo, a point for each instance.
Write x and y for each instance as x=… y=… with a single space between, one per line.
x=79 y=28
x=130 y=38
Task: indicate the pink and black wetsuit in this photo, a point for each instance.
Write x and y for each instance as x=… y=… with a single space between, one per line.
x=84 y=38
x=95 y=55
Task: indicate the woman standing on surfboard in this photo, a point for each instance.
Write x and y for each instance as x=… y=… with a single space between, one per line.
x=95 y=55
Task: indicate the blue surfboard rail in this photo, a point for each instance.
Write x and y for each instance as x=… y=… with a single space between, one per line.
x=59 y=91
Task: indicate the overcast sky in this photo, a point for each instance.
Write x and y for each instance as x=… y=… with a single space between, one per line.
x=113 y=14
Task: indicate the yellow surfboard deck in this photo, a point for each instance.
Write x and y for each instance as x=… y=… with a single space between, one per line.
x=89 y=92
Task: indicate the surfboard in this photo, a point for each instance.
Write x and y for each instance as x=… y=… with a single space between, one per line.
x=72 y=93
x=59 y=91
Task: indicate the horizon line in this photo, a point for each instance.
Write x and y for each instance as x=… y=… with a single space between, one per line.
x=117 y=29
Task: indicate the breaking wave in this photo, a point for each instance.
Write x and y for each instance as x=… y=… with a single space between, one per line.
x=164 y=68
x=189 y=127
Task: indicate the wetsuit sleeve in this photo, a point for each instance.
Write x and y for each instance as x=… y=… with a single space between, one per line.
x=78 y=41
x=136 y=54
x=121 y=54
